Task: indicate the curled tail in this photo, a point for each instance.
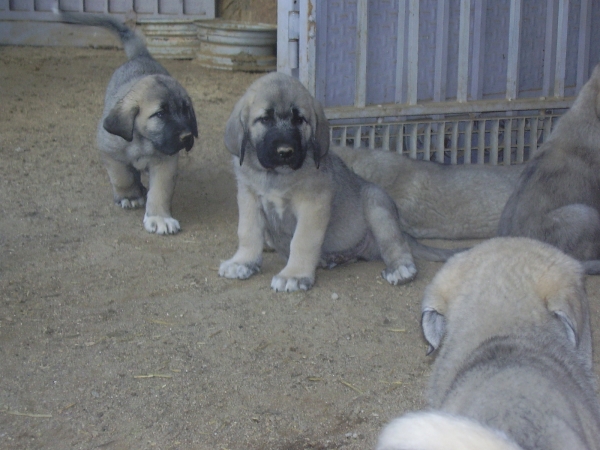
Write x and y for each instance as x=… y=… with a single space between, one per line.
x=133 y=43
x=428 y=253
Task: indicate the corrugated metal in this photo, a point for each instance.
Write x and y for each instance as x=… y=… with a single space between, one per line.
x=394 y=63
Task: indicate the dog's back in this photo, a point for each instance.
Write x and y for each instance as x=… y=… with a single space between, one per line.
x=530 y=385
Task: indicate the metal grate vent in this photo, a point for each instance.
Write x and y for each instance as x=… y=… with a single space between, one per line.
x=454 y=140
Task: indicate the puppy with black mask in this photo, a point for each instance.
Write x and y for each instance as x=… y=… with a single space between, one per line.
x=148 y=118
x=303 y=201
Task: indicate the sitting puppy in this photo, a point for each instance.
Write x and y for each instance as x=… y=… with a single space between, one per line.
x=438 y=201
x=303 y=201
x=557 y=198
x=515 y=365
x=148 y=118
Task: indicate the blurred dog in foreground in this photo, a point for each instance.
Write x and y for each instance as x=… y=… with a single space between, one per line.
x=148 y=118
x=511 y=320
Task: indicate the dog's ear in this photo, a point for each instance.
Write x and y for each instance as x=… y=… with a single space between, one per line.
x=236 y=133
x=433 y=325
x=442 y=290
x=120 y=121
x=319 y=141
x=564 y=294
x=191 y=118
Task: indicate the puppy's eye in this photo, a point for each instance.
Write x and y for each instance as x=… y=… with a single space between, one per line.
x=298 y=120
x=265 y=120
x=162 y=112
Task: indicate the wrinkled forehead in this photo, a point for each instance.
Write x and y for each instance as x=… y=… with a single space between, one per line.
x=163 y=89
x=281 y=97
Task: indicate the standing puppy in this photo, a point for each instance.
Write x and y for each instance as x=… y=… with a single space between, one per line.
x=148 y=118
x=303 y=201
x=557 y=198
x=511 y=320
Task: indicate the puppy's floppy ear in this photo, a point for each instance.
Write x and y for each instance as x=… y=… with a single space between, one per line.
x=120 y=121
x=319 y=141
x=563 y=291
x=439 y=294
x=191 y=119
x=433 y=325
x=236 y=133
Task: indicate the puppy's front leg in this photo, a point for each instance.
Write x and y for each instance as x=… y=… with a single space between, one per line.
x=305 y=248
x=251 y=226
x=161 y=177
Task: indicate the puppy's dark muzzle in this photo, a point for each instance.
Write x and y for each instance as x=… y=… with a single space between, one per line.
x=281 y=148
x=177 y=143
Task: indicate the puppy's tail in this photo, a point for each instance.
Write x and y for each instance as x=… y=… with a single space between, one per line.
x=428 y=253
x=591 y=267
x=439 y=431
x=133 y=43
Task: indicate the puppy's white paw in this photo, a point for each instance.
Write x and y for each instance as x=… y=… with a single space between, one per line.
x=401 y=275
x=161 y=225
x=131 y=203
x=232 y=269
x=280 y=283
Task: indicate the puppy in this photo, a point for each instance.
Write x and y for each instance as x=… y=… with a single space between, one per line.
x=438 y=201
x=511 y=320
x=303 y=201
x=557 y=198
x=148 y=118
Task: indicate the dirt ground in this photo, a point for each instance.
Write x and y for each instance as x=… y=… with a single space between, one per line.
x=114 y=338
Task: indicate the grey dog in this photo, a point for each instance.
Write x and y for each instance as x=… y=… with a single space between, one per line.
x=557 y=198
x=438 y=201
x=148 y=118
x=303 y=201
x=511 y=320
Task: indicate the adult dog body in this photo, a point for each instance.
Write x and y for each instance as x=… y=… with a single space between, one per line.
x=300 y=199
x=438 y=201
x=557 y=198
x=148 y=118
x=512 y=319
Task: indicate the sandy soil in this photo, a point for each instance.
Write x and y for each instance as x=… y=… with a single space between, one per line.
x=114 y=338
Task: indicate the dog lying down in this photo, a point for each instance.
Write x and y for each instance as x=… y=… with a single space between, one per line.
x=557 y=198
x=438 y=201
x=301 y=200
x=510 y=318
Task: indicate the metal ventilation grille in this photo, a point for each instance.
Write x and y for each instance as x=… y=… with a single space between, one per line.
x=489 y=140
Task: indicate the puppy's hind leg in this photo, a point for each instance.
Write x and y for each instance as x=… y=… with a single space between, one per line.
x=128 y=190
x=382 y=217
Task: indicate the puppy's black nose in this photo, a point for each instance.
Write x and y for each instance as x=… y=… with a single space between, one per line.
x=187 y=140
x=285 y=152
